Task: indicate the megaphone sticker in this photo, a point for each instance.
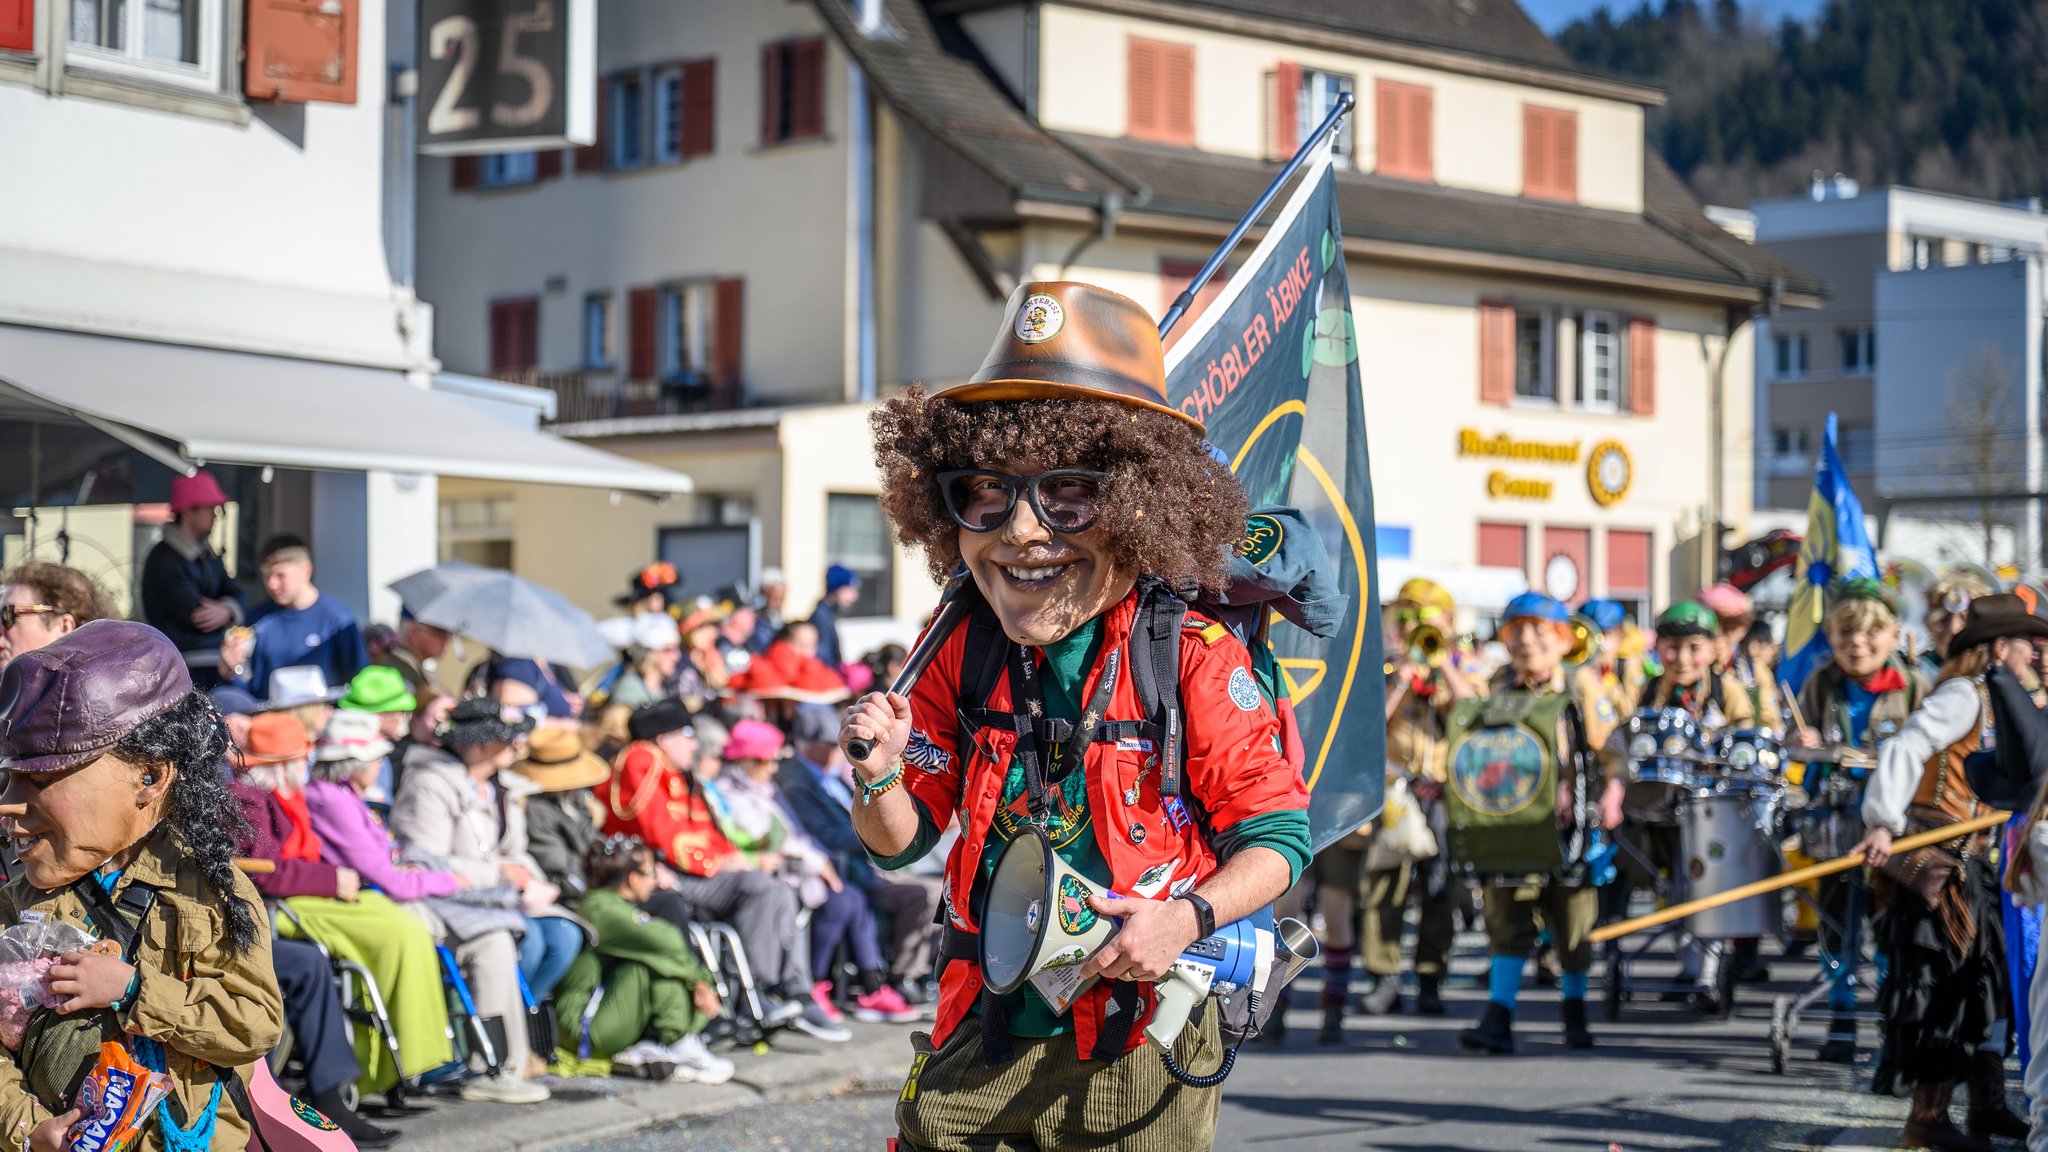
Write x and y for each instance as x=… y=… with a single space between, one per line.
x=1076 y=916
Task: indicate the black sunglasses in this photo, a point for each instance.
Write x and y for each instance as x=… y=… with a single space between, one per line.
x=9 y=613
x=1066 y=500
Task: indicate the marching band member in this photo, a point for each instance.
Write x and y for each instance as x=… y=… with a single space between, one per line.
x=1529 y=712
x=1945 y=1001
x=1610 y=681
x=1735 y=615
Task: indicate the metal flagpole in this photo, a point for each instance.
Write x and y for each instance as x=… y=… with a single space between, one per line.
x=1344 y=104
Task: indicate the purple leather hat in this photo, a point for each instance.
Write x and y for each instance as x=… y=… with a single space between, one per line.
x=71 y=701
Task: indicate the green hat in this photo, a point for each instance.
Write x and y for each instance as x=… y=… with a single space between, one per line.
x=1688 y=618
x=377 y=689
x=1867 y=588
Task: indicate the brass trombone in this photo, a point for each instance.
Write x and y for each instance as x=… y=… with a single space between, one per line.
x=1586 y=641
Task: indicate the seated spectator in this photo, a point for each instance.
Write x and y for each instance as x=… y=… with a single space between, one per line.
x=109 y=750
x=381 y=692
x=884 y=664
x=536 y=687
x=237 y=710
x=43 y=601
x=414 y=651
x=466 y=813
x=561 y=818
x=650 y=659
x=302 y=692
x=656 y=796
x=639 y=995
x=421 y=743
x=817 y=785
x=301 y=625
x=760 y=827
x=770 y=604
x=704 y=656
x=735 y=633
x=791 y=667
x=395 y=946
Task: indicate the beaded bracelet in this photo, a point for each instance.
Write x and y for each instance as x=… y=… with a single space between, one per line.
x=868 y=791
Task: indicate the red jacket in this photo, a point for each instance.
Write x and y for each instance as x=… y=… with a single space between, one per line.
x=1234 y=770
x=651 y=798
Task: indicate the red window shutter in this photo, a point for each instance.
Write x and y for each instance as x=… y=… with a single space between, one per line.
x=299 y=50
x=1160 y=92
x=1179 y=91
x=700 y=96
x=515 y=335
x=1550 y=153
x=1403 y=121
x=771 y=93
x=1496 y=352
x=590 y=157
x=18 y=25
x=642 y=307
x=547 y=163
x=806 y=89
x=1628 y=563
x=1642 y=365
x=462 y=174
x=1504 y=546
x=1283 y=110
x=728 y=328
x=1142 y=97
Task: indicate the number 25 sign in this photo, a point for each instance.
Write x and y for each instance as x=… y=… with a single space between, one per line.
x=504 y=75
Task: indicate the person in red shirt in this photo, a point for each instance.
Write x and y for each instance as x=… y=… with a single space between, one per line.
x=655 y=795
x=1073 y=496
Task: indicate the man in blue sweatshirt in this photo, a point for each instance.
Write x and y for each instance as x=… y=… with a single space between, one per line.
x=300 y=626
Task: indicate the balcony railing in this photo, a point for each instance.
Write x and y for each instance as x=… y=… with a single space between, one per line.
x=581 y=397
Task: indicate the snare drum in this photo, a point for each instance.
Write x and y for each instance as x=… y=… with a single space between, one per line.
x=1752 y=755
x=1665 y=750
x=1726 y=840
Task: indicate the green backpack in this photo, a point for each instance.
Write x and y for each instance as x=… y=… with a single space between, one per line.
x=1500 y=798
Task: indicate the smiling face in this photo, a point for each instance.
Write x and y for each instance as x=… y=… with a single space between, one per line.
x=1042 y=584
x=1861 y=652
x=1535 y=648
x=78 y=819
x=31 y=630
x=1687 y=659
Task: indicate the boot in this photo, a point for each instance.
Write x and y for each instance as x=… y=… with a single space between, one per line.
x=1274 y=1033
x=1576 y=1034
x=1928 y=1124
x=1428 y=1000
x=1332 y=1031
x=1385 y=996
x=361 y=1131
x=1495 y=1033
x=1840 y=1046
x=1990 y=1116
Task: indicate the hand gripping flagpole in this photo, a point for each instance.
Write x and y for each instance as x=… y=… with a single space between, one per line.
x=1344 y=103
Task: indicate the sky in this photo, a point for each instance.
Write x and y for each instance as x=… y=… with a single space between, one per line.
x=1555 y=14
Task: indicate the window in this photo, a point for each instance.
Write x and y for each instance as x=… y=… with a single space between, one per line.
x=1922 y=251
x=1319 y=93
x=172 y=40
x=1858 y=349
x=503 y=169
x=1550 y=154
x=857 y=536
x=626 y=131
x=1599 y=361
x=1535 y=366
x=597 y=330
x=1788 y=356
x=792 y=90
x=1791 y=452
x=1858 y=447
x=685 y=341
x=1160 y=92
x=668 y=115
x=515 y=336
x=1404 y=122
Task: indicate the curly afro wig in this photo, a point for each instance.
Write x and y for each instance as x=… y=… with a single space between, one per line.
x=1169 y=510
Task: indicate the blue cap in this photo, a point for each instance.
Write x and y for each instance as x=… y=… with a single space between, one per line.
x=1606 y=615
x=1535 y=605
x=840 y=576
x=234 y=701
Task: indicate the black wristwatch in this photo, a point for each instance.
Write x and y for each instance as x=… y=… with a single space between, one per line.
x=1205 y=916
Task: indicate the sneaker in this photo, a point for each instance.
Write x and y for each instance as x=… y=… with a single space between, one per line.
x=815 y=1023
x=696 y=1064
x=646 y=1060
x=821 y=995
x=779 y=1013
x=884 y=1005
x=503 y=1090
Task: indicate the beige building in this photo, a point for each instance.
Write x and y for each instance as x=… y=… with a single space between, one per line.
x=797 y=207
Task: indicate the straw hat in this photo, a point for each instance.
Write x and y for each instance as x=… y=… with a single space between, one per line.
x=556 y=761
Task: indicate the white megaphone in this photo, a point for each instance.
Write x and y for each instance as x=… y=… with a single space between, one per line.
x=1037 y=928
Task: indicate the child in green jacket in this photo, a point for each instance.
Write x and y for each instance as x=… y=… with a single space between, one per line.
x=640 y=996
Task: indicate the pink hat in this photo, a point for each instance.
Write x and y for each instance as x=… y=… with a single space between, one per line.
x=754 y=740
x=1726 y=600
x=199 y=490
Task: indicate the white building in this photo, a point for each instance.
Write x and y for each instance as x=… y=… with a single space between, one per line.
x=205 y=261
x=1929 y=349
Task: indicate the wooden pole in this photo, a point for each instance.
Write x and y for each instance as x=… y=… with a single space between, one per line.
x=1796 y=876
x=250 y=867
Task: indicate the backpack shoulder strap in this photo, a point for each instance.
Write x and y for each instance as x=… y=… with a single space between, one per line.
x=981 y=666
x=120 y=920
x=1155 y=674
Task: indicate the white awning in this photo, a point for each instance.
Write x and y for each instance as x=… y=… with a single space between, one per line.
x=186 y=405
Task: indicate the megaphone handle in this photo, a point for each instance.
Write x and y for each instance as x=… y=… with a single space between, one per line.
x=1178 y=995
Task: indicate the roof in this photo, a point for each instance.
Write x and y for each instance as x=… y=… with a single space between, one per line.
x=953 y=96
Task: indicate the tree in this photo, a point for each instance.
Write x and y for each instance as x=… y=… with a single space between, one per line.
x=1984 y=447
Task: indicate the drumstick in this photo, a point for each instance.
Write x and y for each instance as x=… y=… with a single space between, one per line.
x=1792 y=705
x=1796 y=876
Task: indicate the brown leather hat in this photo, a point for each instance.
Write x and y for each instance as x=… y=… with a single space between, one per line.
x=72 y=700
x=1062 y=339
x=1996 y=617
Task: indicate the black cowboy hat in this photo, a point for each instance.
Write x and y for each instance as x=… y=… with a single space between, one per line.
x=1996 y=617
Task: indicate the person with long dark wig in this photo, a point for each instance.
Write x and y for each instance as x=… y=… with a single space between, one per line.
x=1946 y=1001
x=116 y=801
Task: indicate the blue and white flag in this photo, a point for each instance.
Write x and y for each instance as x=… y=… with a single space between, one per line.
x=1837 y=548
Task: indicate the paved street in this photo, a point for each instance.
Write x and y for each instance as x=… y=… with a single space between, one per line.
x=1661 y=1079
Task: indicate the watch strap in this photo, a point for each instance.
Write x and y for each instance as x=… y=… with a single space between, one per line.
x=1205 y=915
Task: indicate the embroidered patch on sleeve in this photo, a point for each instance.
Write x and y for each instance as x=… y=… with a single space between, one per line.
x=926 y=756
x=1243 y=692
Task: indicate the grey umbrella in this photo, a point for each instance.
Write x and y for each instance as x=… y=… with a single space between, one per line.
x=425 y=586
x=514 y=617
